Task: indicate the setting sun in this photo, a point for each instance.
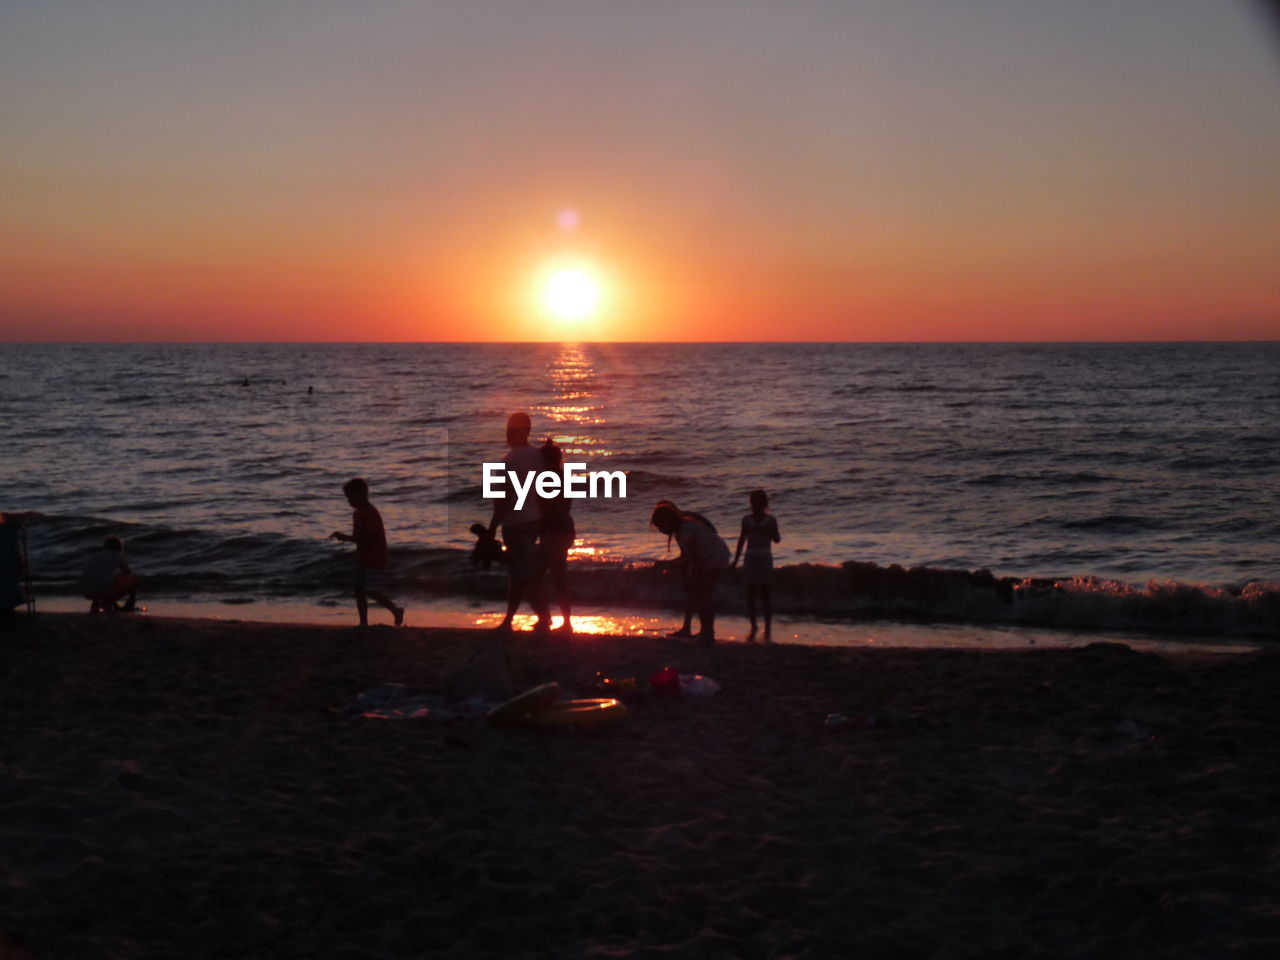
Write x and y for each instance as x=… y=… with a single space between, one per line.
x=571 y=292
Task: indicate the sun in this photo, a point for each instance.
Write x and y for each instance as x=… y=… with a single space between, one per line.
x=572 y=292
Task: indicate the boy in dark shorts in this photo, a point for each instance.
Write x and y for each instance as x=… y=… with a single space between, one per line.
x=370 y=538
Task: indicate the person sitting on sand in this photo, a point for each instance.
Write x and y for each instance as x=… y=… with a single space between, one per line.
x=558 y=532
x=370 y=538
x=106 y=578
x=704 y=555
x=759 y=533
x=521 y=527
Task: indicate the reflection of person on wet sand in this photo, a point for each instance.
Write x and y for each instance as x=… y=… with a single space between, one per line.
x=557 y=536
x=704 y=555
x=759 y=533
x=520 y=527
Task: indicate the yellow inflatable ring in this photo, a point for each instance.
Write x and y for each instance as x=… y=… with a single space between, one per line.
x=517 y=708
x=578 y=713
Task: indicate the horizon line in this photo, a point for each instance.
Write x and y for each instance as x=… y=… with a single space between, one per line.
x=899 y=343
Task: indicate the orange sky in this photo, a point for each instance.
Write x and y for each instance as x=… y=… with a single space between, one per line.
x=787 y=172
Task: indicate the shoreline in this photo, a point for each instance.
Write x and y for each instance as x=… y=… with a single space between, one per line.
x=877 y=632
x=805 y=594
x=191 y=787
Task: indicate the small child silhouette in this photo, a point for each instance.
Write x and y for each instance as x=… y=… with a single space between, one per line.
x=107 y=578
x=370 y=538
x=759 y=533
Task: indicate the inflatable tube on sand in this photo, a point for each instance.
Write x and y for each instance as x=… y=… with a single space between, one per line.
x=578 y=713
x=517 y=708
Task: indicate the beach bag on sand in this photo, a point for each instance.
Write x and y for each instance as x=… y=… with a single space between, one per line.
x=487 y=675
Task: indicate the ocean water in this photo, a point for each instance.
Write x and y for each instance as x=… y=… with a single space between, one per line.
x=1111 y=484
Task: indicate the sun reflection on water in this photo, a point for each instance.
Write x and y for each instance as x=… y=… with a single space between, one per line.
x=576 y=406
x=594 y=624
x=576 y=401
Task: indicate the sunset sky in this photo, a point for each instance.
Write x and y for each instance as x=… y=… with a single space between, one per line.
x=798 y=170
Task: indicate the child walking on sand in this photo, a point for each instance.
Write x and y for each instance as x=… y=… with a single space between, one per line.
x=370 y=538
x=759 y=533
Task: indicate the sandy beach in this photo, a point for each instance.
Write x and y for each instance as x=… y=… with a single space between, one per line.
x=188 y=788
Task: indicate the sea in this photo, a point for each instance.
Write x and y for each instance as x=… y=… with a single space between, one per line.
x=1090 y=487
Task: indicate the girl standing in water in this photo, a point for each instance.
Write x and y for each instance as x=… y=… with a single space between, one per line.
x=759 y=533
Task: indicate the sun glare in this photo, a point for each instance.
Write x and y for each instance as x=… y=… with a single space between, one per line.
x=571 y=292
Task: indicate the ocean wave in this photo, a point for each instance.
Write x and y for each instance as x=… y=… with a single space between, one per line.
x=194 y=561
x=640 y=481
x=467 y=494
x=409 y=488
x=856 y=590
x=672 y=454
x=189 y=561
x=428 y=421
x=861 y=590
x=130 y=399
x=857 y=389
x=1076 y=477
x=1113 y=523
x=1198 y=463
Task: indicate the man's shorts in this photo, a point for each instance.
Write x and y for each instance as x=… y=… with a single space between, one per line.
x=522 y=543
x=367 y=579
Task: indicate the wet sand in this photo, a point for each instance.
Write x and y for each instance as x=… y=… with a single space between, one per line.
x=192 y=788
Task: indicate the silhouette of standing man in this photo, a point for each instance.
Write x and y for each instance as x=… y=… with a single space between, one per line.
x=520 y=527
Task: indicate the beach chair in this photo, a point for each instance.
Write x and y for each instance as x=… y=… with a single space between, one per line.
x=15 y=571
